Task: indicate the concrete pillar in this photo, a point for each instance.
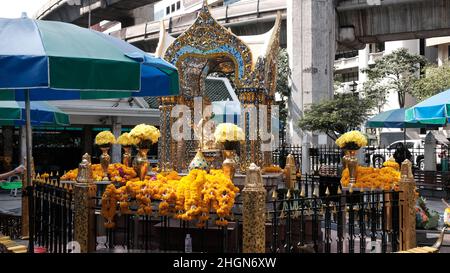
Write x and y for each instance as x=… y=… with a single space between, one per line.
x=442 y=54
x=254 y=212
x=88 y=140
x=430 y=156
x=363 y=62
x=311 y=43
x=306 y=168
x=116 y=130
x=407 y=187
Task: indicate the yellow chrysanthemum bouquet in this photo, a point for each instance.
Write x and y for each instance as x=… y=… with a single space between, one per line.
x=105 y=138
x=125 y=140
x=352 y=140
x=229 y=135
x=144 y=135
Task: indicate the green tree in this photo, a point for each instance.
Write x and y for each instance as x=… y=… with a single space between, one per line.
x=397 y=71
x=375 y=92
x=435 y=80
x=336 y=116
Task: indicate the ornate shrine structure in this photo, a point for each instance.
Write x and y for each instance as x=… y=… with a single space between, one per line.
x=207 y=47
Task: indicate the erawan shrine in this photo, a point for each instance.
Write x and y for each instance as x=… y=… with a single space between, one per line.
x=222 y=181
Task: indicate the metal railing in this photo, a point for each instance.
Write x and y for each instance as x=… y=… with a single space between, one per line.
x=53 y=216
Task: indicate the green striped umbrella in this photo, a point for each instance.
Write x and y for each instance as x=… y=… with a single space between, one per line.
x=42 y=114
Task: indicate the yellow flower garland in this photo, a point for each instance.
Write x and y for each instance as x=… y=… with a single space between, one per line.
x=188 y=198
x=386 y=178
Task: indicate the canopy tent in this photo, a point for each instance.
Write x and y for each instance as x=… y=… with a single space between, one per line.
x=434 y=110
x=42 y=114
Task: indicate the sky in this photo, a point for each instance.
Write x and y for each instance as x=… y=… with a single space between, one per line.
x=14 y=8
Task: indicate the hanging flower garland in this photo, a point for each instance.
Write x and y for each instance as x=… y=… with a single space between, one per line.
x=188 y=198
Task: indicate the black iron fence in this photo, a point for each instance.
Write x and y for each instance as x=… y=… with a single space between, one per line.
x=10 y=225
x=308 y=219
x=53 y=216
x=374 y=156
x=279 y=155
x=164 y=234
x=355 y=222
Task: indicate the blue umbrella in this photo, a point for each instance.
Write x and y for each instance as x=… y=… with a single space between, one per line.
x=394 y=119
x=60 y=61
x=434 y=110
x=42 y=114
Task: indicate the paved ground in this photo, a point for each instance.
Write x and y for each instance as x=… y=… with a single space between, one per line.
x=10 y=204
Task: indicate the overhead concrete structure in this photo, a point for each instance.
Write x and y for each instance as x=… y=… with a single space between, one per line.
x=241 y=15
x=113 y=10
x=392 y=20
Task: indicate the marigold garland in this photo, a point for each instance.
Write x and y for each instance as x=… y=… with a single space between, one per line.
x=189 y=198
x=386 y=178
x=117 y=172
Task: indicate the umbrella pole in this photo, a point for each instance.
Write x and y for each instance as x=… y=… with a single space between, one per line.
x=28 y=174
x=404 y=142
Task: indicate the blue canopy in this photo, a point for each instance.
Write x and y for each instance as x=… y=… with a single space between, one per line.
x=434 y=110
x=394 y=119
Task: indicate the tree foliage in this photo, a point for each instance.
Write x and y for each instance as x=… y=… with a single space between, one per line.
x=336 y=116
x=433 y=81
x=397 y=71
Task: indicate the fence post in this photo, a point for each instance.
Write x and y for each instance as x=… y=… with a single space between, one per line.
x=306 y=168
x=254 y=212
x=429 y=155
x=407 y=187
x=84 y=222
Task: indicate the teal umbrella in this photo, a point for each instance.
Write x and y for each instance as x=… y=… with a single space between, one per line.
x=434 y=110
x=41 y=113
x=394 y=119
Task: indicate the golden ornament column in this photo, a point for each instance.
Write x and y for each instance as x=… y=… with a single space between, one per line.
x=84 y=193
x=407 y=187
x=290 y=174
x=254 y=212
